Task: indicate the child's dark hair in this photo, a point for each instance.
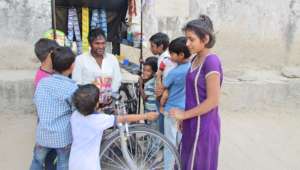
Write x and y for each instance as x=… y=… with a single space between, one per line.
x=160 y=39
x=95 y=33
x=43 y=47
x=178 y=46
x=62 y=59
x=201 y=27
x=85 y=99
x=152 y=62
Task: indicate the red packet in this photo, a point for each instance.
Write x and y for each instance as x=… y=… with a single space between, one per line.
x=104 y=83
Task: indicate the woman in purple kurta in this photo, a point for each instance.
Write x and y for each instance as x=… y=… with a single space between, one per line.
x=201 y=134
x=200 y=121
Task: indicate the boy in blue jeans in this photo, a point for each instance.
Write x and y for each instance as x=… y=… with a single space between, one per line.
x=43 y=49
x=54 y=108
x=175 y=84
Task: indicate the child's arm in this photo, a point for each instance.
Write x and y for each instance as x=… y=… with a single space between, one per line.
x=166 y=84
x=77 y=71
x=141 y=89
x=163 y=100
x=164 y=97
x=137 y=117
x=159 y=84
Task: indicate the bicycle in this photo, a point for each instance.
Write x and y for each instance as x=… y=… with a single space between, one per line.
x=129 y=92
x=135 y=147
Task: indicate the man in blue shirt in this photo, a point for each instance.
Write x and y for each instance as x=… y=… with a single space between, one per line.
x=54 y=108
x=174 y=83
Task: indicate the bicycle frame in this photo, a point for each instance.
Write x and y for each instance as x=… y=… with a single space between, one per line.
x=124 y=134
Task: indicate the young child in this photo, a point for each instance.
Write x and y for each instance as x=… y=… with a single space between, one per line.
x=147 y=85
x=203 y=88
x=159 y=46
x=53 y=103
x=43 y=48
x=88 y=126
x=175 y=84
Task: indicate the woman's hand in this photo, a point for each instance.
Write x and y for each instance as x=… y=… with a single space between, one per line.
x=176 y=114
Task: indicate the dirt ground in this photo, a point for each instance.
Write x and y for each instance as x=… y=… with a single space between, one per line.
x=250 y=141
x=260 y=141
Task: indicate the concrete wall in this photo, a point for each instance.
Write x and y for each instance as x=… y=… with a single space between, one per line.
x=250 y=34
x=22 y=22
x=262 y=36
x=254 y=39
x=16 y=91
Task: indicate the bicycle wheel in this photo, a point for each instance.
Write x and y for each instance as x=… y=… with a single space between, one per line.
x=145 y=147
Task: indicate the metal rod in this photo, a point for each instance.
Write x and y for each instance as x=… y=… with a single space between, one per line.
x=53 y=11
x=141 y=54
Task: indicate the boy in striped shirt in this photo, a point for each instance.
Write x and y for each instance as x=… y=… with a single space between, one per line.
x=147 y=85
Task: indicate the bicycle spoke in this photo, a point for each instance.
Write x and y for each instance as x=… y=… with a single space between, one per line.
x=116 y=155
x=143 y=146
x=130 y=151
x=149 y=151
x=155 y=165
x=111 y=165
x=157 y=150
x=112 y=161
x=136 y=148
x=159 y=166
x=130 y=146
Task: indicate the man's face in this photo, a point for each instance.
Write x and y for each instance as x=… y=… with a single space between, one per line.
x=98 y=46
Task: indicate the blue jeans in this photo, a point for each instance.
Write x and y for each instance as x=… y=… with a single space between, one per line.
x=160 y=118
x=50 y=160
x=174 y=137
x=153 y=124
x=40 y=153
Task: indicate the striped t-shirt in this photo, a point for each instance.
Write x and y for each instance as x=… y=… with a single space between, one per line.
x=150 y=102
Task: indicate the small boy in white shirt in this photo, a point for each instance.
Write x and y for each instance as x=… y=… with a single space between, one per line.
x=88 y=126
